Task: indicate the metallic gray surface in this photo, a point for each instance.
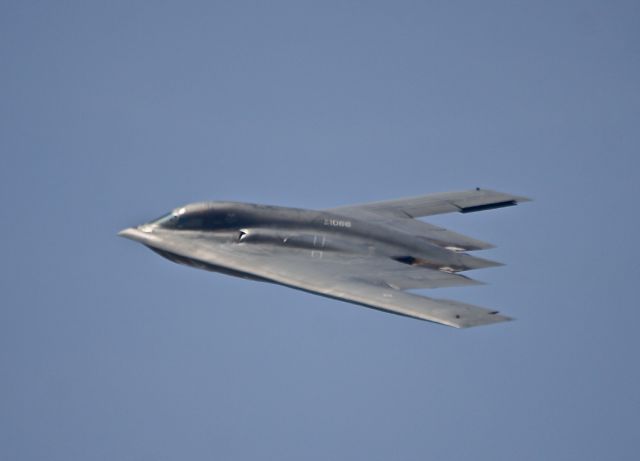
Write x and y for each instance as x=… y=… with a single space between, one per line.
x=365 y=254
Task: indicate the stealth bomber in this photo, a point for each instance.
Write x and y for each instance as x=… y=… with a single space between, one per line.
x=370 y=254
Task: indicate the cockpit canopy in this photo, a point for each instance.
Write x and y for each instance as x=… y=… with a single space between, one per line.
x=198 y=217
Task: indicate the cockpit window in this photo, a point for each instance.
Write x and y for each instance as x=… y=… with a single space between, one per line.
x=167 y=220
x=181 y=219
x=190 y=222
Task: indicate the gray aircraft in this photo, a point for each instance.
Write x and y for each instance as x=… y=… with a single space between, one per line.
x=368 y=254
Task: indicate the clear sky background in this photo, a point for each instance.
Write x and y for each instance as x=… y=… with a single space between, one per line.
x=113 y=113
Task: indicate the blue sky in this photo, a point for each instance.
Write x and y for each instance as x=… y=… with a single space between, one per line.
x=115 y=112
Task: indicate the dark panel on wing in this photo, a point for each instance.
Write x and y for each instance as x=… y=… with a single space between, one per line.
x=488 y=206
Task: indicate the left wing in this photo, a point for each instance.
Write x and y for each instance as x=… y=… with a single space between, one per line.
x=370 y=281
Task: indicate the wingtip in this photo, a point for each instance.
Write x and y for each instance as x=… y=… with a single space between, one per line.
x=520 y=199
x=512 y=197
x=489 y=319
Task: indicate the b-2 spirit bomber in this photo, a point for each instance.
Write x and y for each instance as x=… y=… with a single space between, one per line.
x=368 y=254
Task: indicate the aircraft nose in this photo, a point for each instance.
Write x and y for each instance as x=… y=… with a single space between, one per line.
x=138 y=234
x=129 y=232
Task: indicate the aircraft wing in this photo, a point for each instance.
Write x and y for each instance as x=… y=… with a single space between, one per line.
x=366 y=280
x=431 y=204
x=398 y=214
